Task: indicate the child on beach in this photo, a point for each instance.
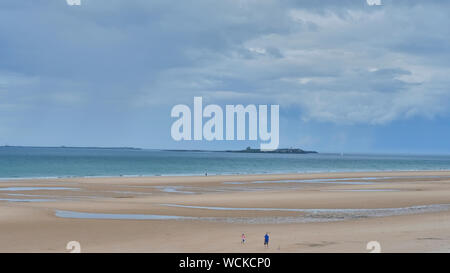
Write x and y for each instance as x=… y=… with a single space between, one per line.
x=243 y=238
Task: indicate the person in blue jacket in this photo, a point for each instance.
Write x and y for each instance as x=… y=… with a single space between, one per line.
x=266 y=240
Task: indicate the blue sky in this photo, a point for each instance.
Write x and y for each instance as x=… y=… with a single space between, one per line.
x=348 y=76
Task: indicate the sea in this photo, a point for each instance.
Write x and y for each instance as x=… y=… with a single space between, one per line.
x=39 y=162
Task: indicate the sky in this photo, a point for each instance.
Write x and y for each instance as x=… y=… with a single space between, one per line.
x=348 y=76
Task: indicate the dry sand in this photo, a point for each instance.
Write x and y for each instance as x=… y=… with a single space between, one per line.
x=34 y=227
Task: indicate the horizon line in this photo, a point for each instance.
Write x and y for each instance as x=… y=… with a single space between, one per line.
x=220 y=150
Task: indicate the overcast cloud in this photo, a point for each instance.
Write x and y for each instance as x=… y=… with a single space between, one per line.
x=341 y=63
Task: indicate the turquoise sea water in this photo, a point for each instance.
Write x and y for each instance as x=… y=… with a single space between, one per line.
x=24 y=162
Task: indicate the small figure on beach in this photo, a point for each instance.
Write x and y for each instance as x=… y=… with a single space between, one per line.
x=266 y=240
x=243 y=238
x=206 y=172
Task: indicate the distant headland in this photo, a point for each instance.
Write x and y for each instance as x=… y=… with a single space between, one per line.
x=71 y=147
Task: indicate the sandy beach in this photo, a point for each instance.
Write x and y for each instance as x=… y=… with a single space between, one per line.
x=326 y=212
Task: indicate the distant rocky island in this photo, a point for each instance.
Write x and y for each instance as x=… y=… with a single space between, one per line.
x=250 y=150
x=277 y=151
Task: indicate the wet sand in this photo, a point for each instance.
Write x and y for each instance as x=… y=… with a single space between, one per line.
x=332 y=212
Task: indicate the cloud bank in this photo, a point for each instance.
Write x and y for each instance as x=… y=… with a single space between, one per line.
x=343 y=62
